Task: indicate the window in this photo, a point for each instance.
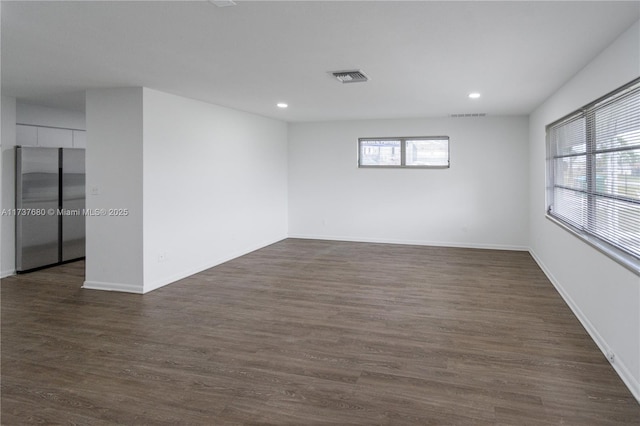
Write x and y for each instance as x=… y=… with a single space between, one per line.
x=594 y=173
x=411 y=152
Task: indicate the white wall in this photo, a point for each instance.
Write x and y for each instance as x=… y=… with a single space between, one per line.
x=215 y=185
x=7 y=243
x=37 y=115
x=604 y=295
x=114 y=180
x=203 y=184
x=481 y=201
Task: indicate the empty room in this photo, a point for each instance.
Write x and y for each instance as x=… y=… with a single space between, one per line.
x=223 y=212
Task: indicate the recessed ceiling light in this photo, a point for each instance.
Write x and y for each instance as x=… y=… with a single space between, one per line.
x=281 y=105
x=474 y=95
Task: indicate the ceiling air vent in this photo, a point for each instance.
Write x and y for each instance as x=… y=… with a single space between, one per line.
x=475 y=114
x=355 y=76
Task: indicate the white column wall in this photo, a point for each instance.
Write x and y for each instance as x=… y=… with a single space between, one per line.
x=202 y=183
x=114 y=181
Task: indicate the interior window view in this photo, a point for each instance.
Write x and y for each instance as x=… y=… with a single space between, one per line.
x=237 y=212
x=380 y=153
x=427 y=152
x=404 y=152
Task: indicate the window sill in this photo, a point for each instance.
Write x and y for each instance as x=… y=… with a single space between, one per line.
x=362 y=166
x=624 y=259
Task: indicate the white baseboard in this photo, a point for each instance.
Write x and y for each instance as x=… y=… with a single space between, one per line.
x=215 y=262
x=629 y=380
x=121 y=287
x=7 y=273
x=411 y=242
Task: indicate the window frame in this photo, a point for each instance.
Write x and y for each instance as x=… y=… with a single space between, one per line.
x=403 y=152
x=615 y=251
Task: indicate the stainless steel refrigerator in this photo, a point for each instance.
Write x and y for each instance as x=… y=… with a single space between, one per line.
x=50 y=202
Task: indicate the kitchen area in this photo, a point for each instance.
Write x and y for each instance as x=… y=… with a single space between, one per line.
x=43 y=186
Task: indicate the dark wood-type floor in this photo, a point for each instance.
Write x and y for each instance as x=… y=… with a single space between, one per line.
x=309 y=332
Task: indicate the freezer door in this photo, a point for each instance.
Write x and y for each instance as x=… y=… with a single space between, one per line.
x=37 y=230
x=73 y=204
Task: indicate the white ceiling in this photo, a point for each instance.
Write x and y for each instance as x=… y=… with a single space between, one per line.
x=423 y=58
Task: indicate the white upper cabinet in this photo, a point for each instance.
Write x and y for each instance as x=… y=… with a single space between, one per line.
x=26 y=135
x=79 y=139
x=49 y=137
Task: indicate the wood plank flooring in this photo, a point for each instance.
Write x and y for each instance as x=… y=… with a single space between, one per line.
x=309 y=332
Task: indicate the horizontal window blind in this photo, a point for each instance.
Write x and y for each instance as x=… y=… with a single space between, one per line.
x=594 y=169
